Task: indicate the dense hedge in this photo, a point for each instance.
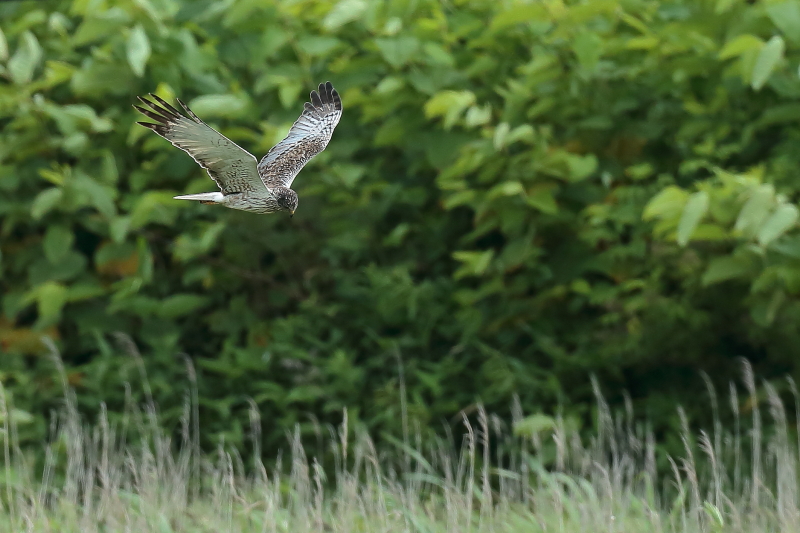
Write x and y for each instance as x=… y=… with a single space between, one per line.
x=519 y=194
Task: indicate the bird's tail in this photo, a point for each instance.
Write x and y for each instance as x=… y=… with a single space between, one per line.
x=203 y=197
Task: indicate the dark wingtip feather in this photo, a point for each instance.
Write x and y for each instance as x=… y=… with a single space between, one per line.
x=316 y=100
x=166 y=106
x=189 y=112
x=158 y=113
x=145 y=101
x=324 y=95
x=157 y=116
x=158 y=128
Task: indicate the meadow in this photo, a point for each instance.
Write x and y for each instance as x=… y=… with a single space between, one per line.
x=525 y=476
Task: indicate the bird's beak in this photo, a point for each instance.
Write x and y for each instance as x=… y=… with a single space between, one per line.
x=291 y=214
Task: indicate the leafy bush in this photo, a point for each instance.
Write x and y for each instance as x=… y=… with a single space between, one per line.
x=474 y=230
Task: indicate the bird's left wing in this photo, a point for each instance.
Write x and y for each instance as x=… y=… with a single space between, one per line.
x=233 y=168
x=308 y=136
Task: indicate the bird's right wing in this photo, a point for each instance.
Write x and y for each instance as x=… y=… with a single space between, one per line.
x=231 y=167
x=308 y=136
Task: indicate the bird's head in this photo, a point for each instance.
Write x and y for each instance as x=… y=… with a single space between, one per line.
x=286 y=198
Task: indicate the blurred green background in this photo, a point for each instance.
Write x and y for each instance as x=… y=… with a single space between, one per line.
x=519 y=195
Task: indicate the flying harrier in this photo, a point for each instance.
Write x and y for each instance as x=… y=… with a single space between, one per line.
x=245 y=185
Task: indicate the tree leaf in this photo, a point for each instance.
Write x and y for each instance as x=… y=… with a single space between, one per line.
x=738 y=45
x=768 y=58
x=710 y=232
x=728 y=267
x=525 y=132
x=138 y=50
x=181 y=304
x=118 y=228
x=588 y=48
x=666 y=204
x=783 y=219
x=97 y=26
x=473 y=263
x=99 y=196
x=397 y=51
x=219 y=105
x=580 y=166
x=438 y=55
x=25 y=60
x=99 y=78
x=755 y=210
x=500 y=133
x=343 y=12
x=519 y=13
x=318 y=45
x=506 y=188
x=542 y=197
x=153 y=207
x=117 y=260
x=789 y=246
x=3 y=46
x=478 y=116
x=464 y=197
x=57 y=242
x=693 y=212
x=68 y=267
x=51 y=297
x=449 y=104
x=45 y=201
x=786 y=16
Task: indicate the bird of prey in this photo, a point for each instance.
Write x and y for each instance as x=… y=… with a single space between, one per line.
x=259 y=188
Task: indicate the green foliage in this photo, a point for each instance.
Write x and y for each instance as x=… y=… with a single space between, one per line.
x=519 y=194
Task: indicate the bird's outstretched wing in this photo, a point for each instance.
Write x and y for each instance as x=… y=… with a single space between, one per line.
x=233 y=168
x=308 y=136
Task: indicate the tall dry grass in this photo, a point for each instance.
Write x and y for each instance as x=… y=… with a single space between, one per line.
x=98 y=477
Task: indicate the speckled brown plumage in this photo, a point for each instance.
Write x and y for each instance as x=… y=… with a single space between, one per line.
x=261 y=188
x=308 y=136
